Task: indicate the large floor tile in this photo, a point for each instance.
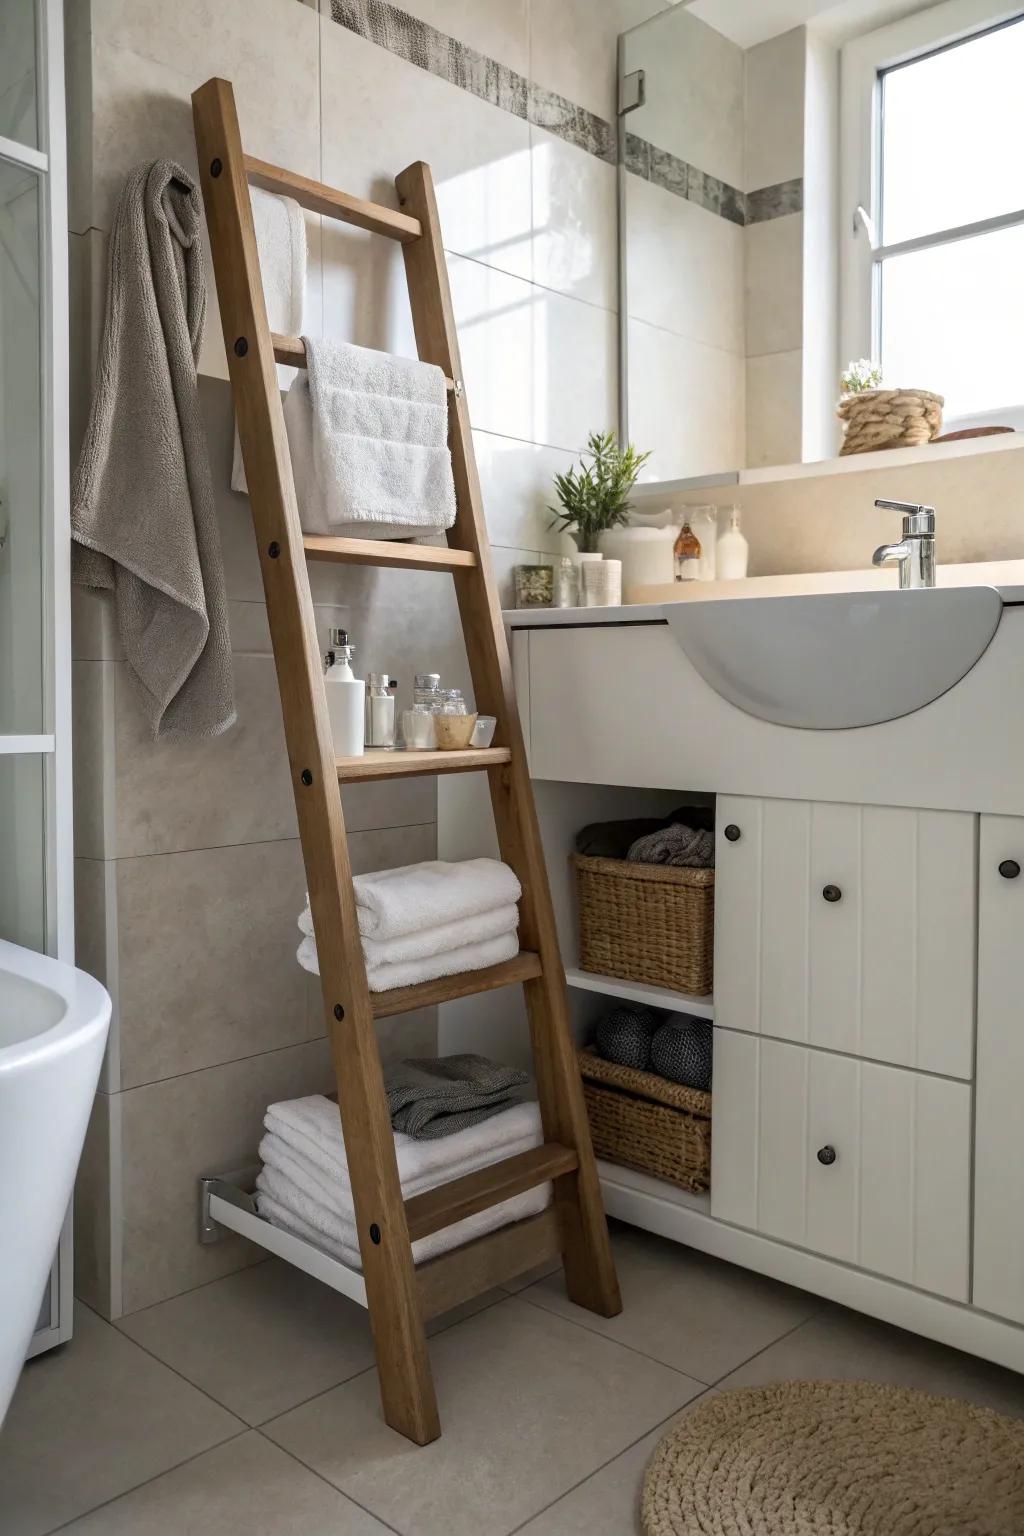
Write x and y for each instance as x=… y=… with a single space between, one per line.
x=608 y=1502
x=260 y=1341
x=92 y=1420
x=839 y=1345
x=245 y=1488
x=530 y=1405
x=691 y=1311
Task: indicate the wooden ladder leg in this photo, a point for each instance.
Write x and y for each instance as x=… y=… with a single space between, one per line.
x=589 y=1267
x=392 y=1292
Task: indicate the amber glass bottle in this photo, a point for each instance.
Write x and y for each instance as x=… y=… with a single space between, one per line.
x=687 y=554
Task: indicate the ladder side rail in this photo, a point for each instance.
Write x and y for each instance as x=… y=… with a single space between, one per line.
x=392 y=1289
x=589 y=1268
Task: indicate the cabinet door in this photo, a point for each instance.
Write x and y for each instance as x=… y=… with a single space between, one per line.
x=848 y=927
x=859 y=1162
x=999 y=1094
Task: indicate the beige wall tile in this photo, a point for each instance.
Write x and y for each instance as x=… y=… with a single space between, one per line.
x=94 y=1218
x=96 y=948
x=832 y=524
x=176 y=1130
x=575 y=220
x=92 y=731
x=685 y=267
x=774 y=285
x=775 y=109
x=517 y=480
x=774 y=405
x=381 y=114
x=207 y=946
x=686 y=403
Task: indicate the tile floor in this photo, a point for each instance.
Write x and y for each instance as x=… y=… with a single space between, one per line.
x=249 y=1407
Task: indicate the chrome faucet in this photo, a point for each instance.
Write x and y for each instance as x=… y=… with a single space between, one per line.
x=916 y=550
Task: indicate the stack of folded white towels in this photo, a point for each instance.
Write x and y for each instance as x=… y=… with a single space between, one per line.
x=428 y=920
x=304 y=1185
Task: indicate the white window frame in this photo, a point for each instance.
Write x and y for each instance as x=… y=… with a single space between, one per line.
x=863 y=61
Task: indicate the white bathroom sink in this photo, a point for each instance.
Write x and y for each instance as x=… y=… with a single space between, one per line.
x=837 y=660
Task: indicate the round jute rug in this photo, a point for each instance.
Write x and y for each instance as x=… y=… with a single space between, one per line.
x=837 y=1458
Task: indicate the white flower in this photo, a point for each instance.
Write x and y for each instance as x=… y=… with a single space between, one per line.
x=861 y=375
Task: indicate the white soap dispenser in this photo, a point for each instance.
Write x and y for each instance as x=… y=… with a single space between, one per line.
x=733 y=551
x=346 y=697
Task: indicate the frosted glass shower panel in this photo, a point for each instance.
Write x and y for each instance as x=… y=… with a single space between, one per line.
x=18 y=92
x=21 y=482
x=22 y=850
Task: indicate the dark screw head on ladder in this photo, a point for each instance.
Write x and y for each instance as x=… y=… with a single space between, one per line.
x=273 y=550
x=215 y=167
x=374 y=1233
x=241 y=347
x=339 y=1012
x=307 y=777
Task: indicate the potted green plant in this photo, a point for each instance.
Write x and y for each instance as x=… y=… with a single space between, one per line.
x=594 y=496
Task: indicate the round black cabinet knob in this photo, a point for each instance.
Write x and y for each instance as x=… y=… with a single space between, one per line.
x=826 y=1156
x=732 y=832
x=832 y=893
x=1009 y=869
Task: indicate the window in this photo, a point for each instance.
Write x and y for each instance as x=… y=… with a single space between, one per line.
x=932 y=254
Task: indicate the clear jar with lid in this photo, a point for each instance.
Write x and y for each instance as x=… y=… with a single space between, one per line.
x=426 y=688
x=452 y=702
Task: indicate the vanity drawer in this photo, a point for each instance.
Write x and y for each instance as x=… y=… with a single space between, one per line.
x=859 y=1162
x=848 y=927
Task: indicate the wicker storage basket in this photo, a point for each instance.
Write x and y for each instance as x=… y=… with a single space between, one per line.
x=647 y=922
x=646 y=1122
x=889 y=418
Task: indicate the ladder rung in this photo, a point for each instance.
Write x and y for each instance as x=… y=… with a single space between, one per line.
x=488 y=1261
x=449 y=1203
x=320 y=198
x=292 y=350
x=410 y=765
x=414 y=557
x=445 y=989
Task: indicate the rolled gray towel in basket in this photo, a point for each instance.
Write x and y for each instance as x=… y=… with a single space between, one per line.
x=691 y=847
x=682 y=1052
x=624 y=1036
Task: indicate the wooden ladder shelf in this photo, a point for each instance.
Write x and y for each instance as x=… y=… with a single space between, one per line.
x=400 y=1297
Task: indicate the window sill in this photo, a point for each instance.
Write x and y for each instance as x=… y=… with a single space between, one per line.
x=856 y=463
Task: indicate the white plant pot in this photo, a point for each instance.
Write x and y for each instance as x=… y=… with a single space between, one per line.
x=601 y=582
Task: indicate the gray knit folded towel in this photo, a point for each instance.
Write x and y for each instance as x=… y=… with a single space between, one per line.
x=692 y=847
x=440 y=1095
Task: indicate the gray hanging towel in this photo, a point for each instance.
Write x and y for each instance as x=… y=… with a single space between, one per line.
x=143 y=517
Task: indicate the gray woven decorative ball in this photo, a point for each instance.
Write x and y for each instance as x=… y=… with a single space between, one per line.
x=624 y=1036
x=681 y=1051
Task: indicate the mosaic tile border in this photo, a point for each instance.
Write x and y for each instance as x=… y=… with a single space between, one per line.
x=439 y=54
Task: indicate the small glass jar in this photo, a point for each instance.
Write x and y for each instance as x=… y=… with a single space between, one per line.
x=418 y=728
x=567 y=583
x=426 y=688
x=452 y=702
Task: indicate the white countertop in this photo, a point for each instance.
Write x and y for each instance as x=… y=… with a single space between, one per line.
x=1007 y=576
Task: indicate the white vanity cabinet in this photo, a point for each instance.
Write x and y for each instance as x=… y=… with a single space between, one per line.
x=848 y=927
x=861 y=1162
x=999 y=1103
x=868 y=1009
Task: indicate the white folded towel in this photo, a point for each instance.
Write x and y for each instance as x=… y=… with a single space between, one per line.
x=409 y=973
x=304 y=1186
x=431 y=941
x=281 y=244
x=277 y=1204
x=311 y=1127
x=393 y=902
x=368 y=434
x=336 y=1192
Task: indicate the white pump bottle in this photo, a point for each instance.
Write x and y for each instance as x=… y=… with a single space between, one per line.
x=346 y=696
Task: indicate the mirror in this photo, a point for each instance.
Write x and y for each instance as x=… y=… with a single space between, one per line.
x=799 y=197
